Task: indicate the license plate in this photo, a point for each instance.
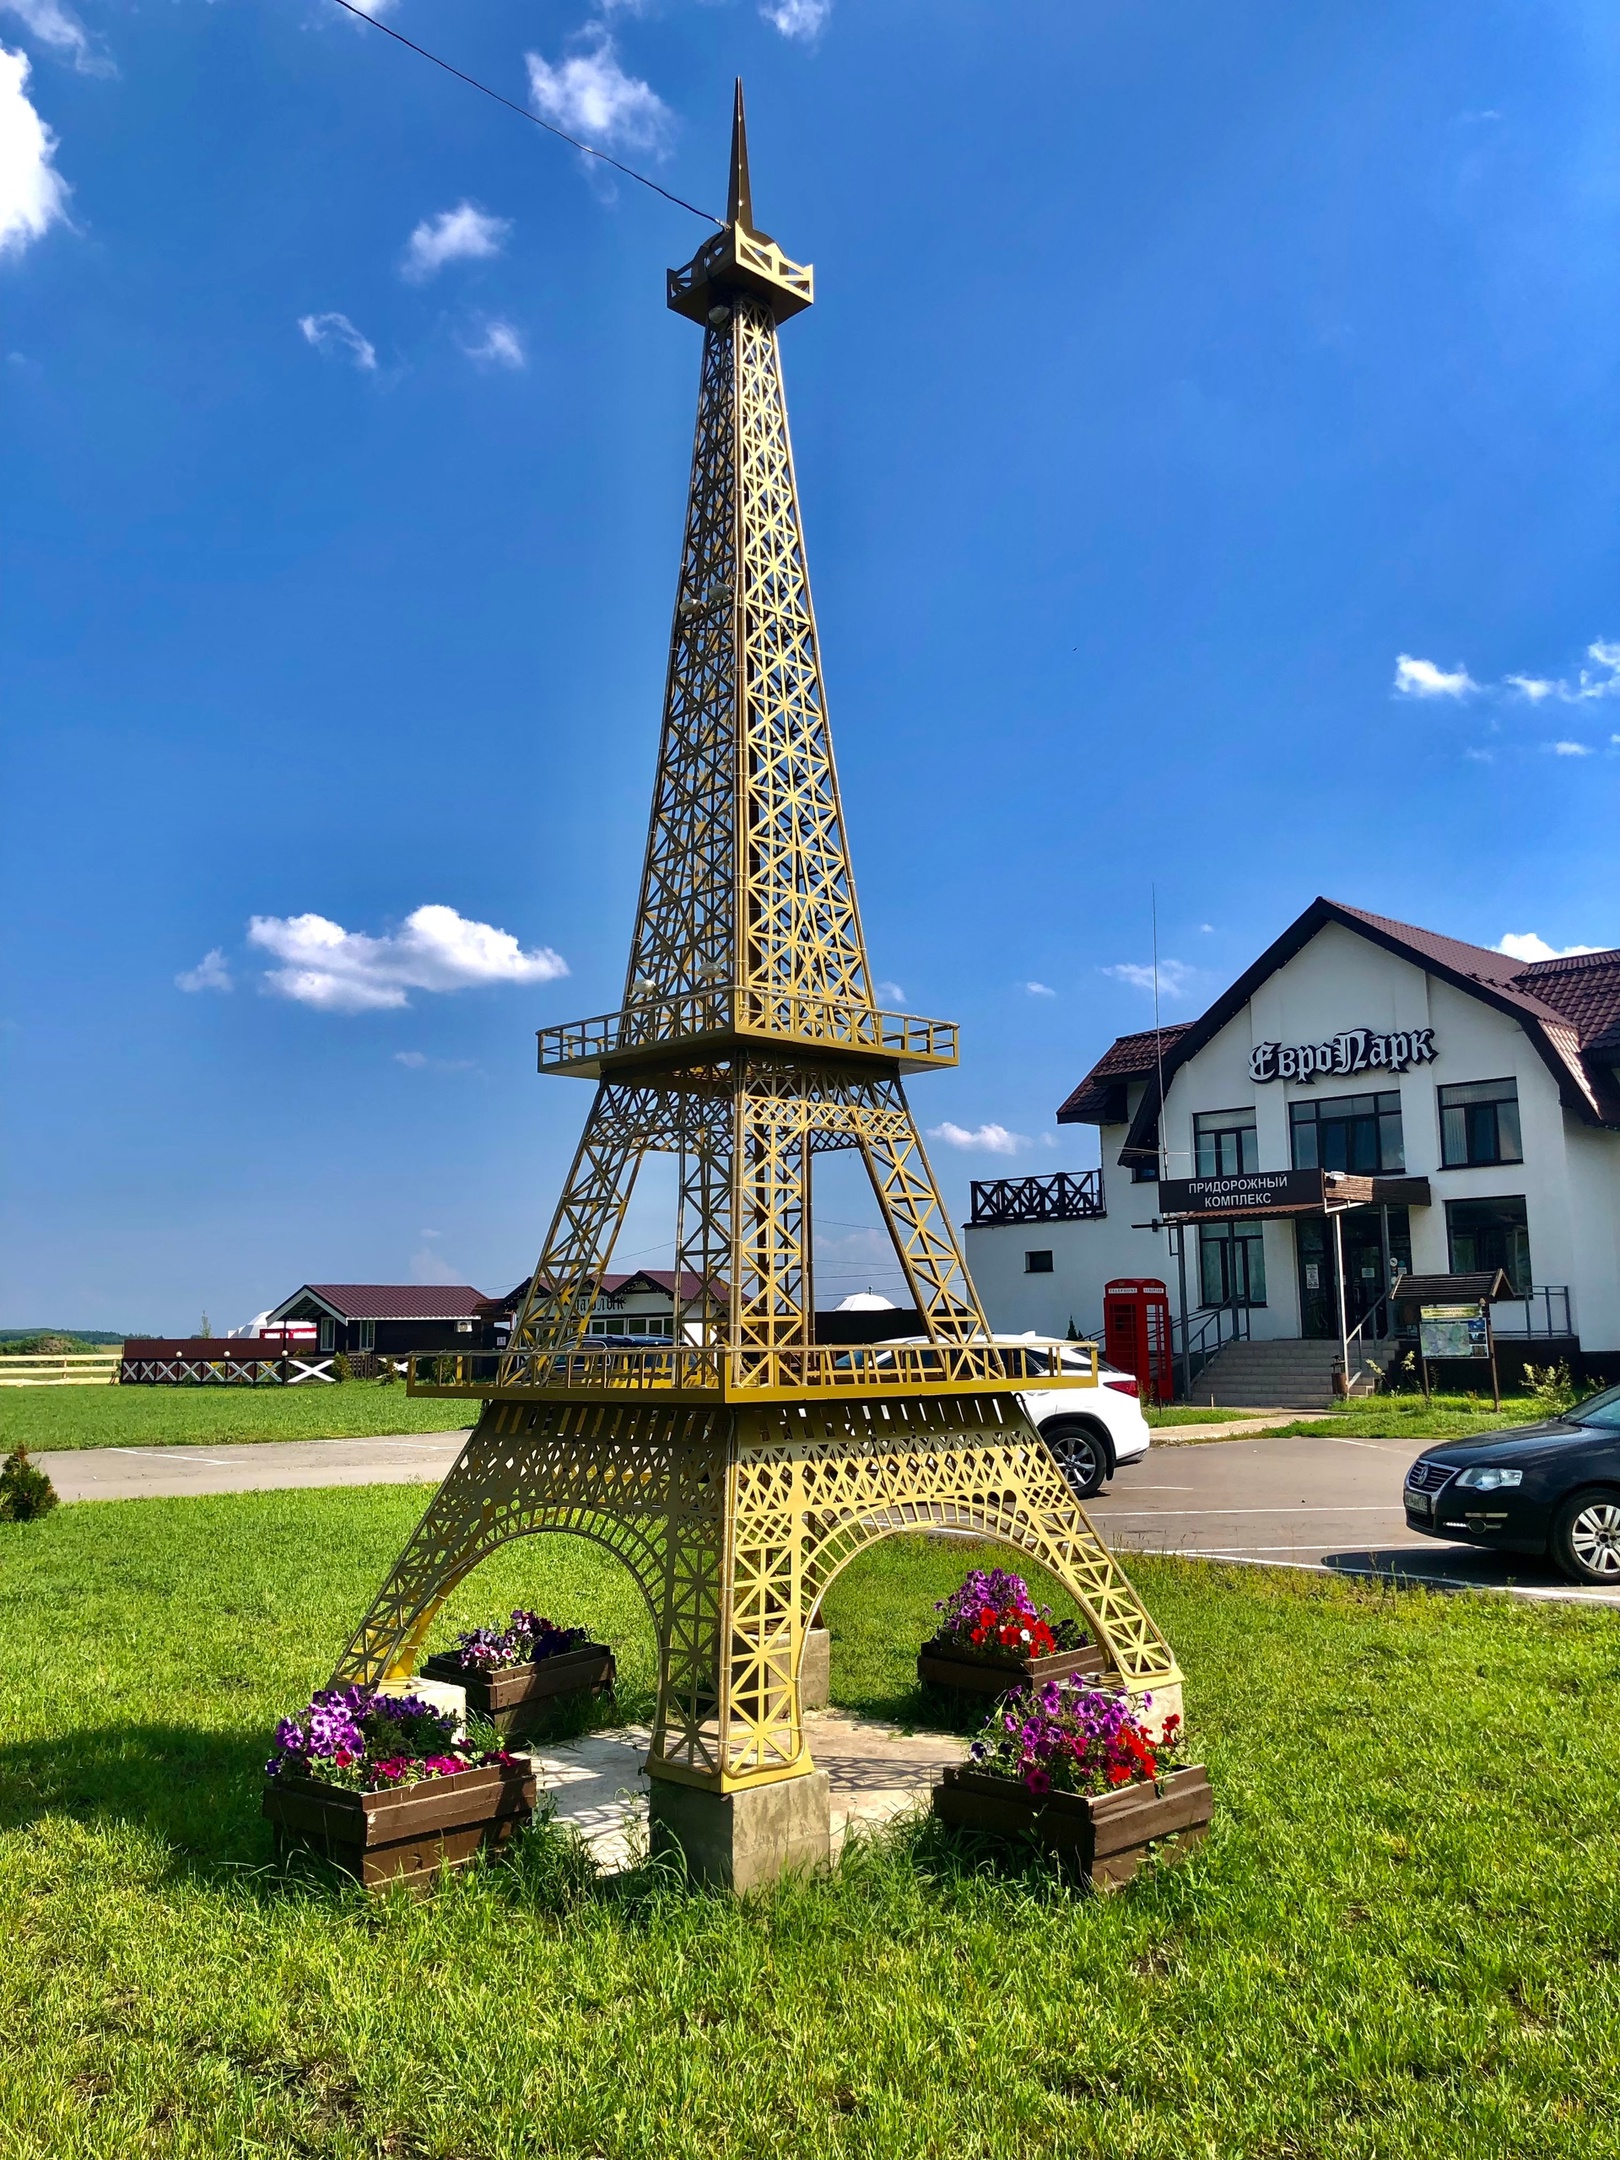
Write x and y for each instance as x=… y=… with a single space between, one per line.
x=1419 y=1503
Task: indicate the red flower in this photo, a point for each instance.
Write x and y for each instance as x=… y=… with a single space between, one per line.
x=1118 y=1774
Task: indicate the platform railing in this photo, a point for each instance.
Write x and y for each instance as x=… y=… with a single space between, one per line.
x=790 y=1015
x=774 y=1373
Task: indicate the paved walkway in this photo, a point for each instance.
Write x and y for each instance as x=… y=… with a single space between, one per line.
x=1326 y=1503
x=1251 y=1421
x=269 y=1466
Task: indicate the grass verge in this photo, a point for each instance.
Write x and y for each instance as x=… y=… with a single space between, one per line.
x=1402 y=1938
x=1409 y=1417
x=91 y=1417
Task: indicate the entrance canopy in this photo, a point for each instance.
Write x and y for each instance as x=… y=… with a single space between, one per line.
x=1262 y=1193
x=1485 y=1286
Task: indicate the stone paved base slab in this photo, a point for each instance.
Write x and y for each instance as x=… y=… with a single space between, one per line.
x=874 y=1773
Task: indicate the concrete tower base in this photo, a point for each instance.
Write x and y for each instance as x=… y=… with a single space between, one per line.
x=738 y=1840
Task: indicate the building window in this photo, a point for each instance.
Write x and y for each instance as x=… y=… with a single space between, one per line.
x=1226 y=1143
x=1359 y=1133
x=327 y=1337
x=1479 y=1123
x=1231 y=1264
x=1037 y=1263
x=368 y=1335
x=1145 y=1160
x=1486 y=1234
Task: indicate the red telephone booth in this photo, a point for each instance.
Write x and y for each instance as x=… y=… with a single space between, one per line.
x=1136 y=1334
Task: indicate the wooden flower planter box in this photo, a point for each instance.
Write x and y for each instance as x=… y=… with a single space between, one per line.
x=974 y=1675
x=408 y=1833
x=523 y=1697
x=1104 y=1835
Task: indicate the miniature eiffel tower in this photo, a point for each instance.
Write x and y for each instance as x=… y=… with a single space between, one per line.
x=736 y=1469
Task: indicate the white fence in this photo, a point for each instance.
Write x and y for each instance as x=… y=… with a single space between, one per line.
x=71 y=1368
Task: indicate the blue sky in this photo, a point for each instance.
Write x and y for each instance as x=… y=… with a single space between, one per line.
x=1207 y=436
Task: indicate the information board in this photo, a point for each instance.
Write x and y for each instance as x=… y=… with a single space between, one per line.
x=1454 y=1331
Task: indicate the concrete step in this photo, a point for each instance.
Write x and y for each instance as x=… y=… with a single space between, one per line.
x=1287 y=1374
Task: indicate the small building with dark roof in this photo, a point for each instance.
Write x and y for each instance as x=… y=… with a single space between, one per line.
x=392 y=1319
x=1455 y=1109
x=639 y=1304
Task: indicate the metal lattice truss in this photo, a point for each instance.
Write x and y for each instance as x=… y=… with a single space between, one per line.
x=733 y=1524
x=737 y=1468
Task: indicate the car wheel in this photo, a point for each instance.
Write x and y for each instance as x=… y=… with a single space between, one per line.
x=1082 y=1456
x=1586 y=1539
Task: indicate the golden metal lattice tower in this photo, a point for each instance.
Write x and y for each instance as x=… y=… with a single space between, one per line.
x=738 y=1468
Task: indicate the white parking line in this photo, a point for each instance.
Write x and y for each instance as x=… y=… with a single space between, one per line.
x=1360 y=1507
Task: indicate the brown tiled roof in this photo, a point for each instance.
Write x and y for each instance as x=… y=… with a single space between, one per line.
x=1566 y=1007
x=614 y=1285
x=1099 y=1097
x=1585 y=988
x=393 y=1301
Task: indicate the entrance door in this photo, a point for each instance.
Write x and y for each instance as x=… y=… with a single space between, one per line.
x=1365 y=1282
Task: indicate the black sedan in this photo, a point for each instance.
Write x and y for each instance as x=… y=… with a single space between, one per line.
x=1551 y=1489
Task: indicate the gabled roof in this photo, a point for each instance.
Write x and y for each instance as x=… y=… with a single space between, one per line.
x=617 y=1286
x=387 y=1301
x=1100 y=1097
x=1554 y=1001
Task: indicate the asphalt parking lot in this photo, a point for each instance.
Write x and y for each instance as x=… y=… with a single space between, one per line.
x=1329 y=1504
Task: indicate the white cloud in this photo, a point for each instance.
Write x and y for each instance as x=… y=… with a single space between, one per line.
x=1570 y=749
x=463 y=234
x=993 y=1139
x=337 y=333
x=427 y=1267
x=1421 y=678
x=797 y=18
x=339 y=970
x=60 y=29
x=1176 y=978
x=501 y=345
x=1526 y=945
x=590 y=95
x=1039 y=989
x=33 y=194
x=210 y=973
x=419 y=1061
x=1206 y=929
x=891 y=991
x=1600 y=681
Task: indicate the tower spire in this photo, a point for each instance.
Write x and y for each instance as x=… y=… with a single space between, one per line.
x=739 y=200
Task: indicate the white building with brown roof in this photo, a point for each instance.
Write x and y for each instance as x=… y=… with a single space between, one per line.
x=1368 y=1091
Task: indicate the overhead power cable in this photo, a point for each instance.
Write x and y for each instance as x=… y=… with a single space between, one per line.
x=524 y=113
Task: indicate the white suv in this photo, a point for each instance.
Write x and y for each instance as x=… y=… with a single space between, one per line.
x=1091 y=1431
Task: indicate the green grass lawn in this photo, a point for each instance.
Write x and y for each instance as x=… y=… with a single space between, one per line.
x=87 y=1417
x=1409 y=1417
x=1402 y=1938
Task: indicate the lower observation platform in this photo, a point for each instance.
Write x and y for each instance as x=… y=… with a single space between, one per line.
x=728 y=1019
x=792 y=1374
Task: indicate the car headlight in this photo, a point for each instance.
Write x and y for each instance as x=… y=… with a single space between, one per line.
x=1487 y=1477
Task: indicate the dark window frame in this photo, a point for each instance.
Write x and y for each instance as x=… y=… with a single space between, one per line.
x=1240 y=1124
x=1518 y=1266
x=1382 y=1122
x=1040 y=1261
x=1478 y=1121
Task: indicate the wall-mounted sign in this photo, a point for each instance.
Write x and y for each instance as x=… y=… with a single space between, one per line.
x=1454 y=1331
x=1354 y=1050
x=1252 y=1192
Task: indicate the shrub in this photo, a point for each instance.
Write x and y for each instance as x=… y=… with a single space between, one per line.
x=1550 y=1388
x=341 y=1368
x=25 y=1493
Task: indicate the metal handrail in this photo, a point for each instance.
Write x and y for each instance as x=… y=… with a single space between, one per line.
x=1213 y=1316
